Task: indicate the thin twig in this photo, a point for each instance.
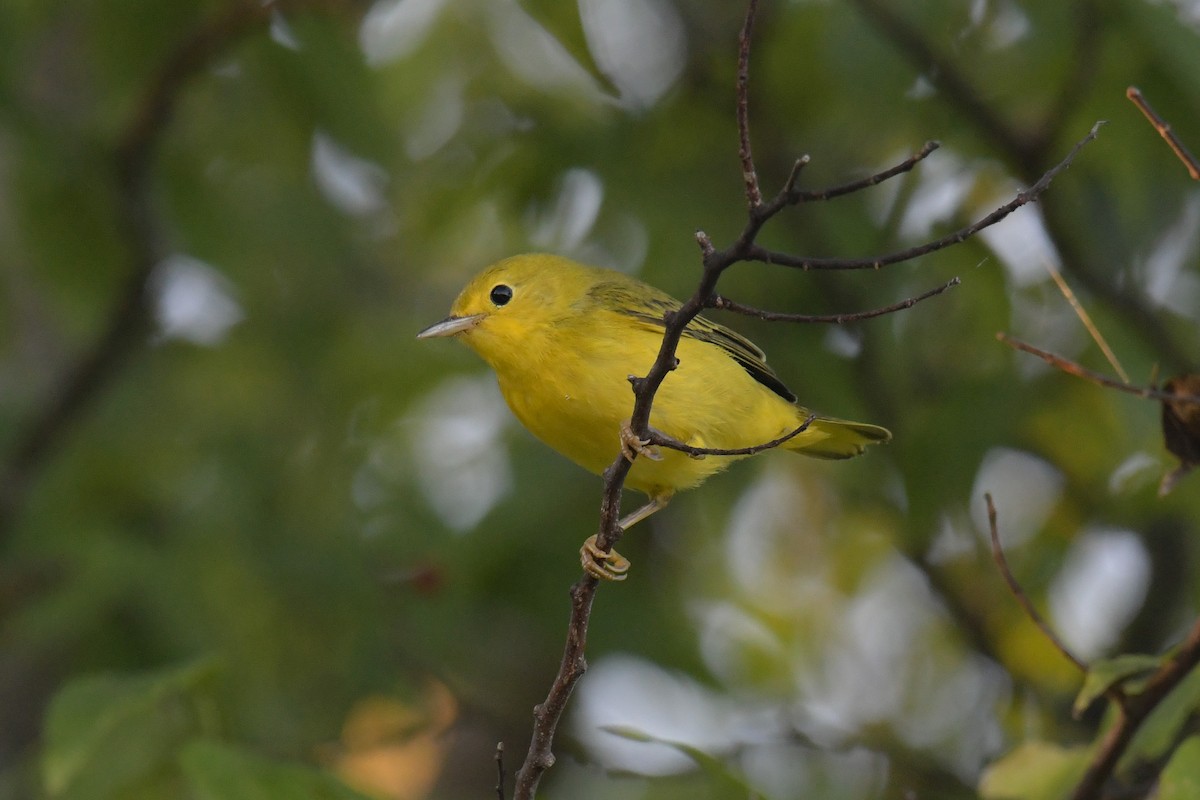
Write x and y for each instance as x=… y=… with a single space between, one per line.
x=657 y=437
x=500 y=771
x=1164 y=130
x=1086 y=319
x=962 y=234
x=547 y=714
x=715 y=262
x=725 y=304
x=1071 y=368
x=872 y=180
x=789 y=186
x=749 y=173
x=1019 y=593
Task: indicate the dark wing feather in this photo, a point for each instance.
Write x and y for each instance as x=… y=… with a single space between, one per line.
x=648 y=305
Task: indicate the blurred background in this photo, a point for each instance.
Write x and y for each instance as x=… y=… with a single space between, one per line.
x=254 y=535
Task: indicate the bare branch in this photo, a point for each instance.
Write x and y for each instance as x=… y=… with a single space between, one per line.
x=657 y=437
x=749 y=173
x=725 y=304
x=500 y=771
x=757 y=253
x=1019 y=593
x=873 y=180
x=715 y=262
x=1164 y=130
x=547 y=714
x=1071 y=368
x=1086 y=319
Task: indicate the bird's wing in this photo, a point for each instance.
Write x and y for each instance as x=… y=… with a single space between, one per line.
x=648 y=305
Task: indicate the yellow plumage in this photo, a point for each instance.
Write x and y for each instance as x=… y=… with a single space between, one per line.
x=563 y=339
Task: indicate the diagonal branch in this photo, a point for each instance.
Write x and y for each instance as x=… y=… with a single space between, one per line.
x=714 y=262
x=857 y=186
x=1071 y=368
x=1164 y=130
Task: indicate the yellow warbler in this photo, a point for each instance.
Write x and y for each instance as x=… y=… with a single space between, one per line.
x=564 y=338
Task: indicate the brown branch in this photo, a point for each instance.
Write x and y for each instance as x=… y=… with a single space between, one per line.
x=657 y=437
x=1164 y=130
x=1019 y=593
x=725 y=304
x=1071 y=368
x=865 y=183
x=962 y=234
x=1136 y=709
x=714 y=262
x=548 y=713
x=500 y=776
x=745 y=154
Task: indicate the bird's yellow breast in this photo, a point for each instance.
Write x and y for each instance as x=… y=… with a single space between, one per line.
x=570 y=388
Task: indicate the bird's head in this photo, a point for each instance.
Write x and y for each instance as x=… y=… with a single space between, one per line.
x=505 y=308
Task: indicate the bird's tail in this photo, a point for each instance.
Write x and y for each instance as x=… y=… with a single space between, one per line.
x=831 y=438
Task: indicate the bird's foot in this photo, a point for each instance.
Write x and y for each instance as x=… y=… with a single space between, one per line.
x=633 y=445
x=605 y=566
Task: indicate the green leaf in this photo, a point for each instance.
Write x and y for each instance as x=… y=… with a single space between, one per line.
x=1034 y=771
x=1103 y=675
x=107 y=735
x=726 y=782
x=1160 y=730
x=1180 y=780
x=216 y=771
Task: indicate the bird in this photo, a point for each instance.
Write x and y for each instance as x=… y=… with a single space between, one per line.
x=564 y=340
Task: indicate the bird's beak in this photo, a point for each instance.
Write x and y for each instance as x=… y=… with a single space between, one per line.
x=450 y=326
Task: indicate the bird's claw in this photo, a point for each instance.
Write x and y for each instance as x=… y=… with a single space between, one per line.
x=605 y=566
x=633 y=445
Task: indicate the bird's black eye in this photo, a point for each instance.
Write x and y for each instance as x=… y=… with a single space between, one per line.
x=501 y=294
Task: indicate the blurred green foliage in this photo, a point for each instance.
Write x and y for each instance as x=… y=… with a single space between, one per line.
x=278 y=540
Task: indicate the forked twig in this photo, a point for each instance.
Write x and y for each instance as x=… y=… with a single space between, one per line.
x=757 y=253
x=715 y=262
